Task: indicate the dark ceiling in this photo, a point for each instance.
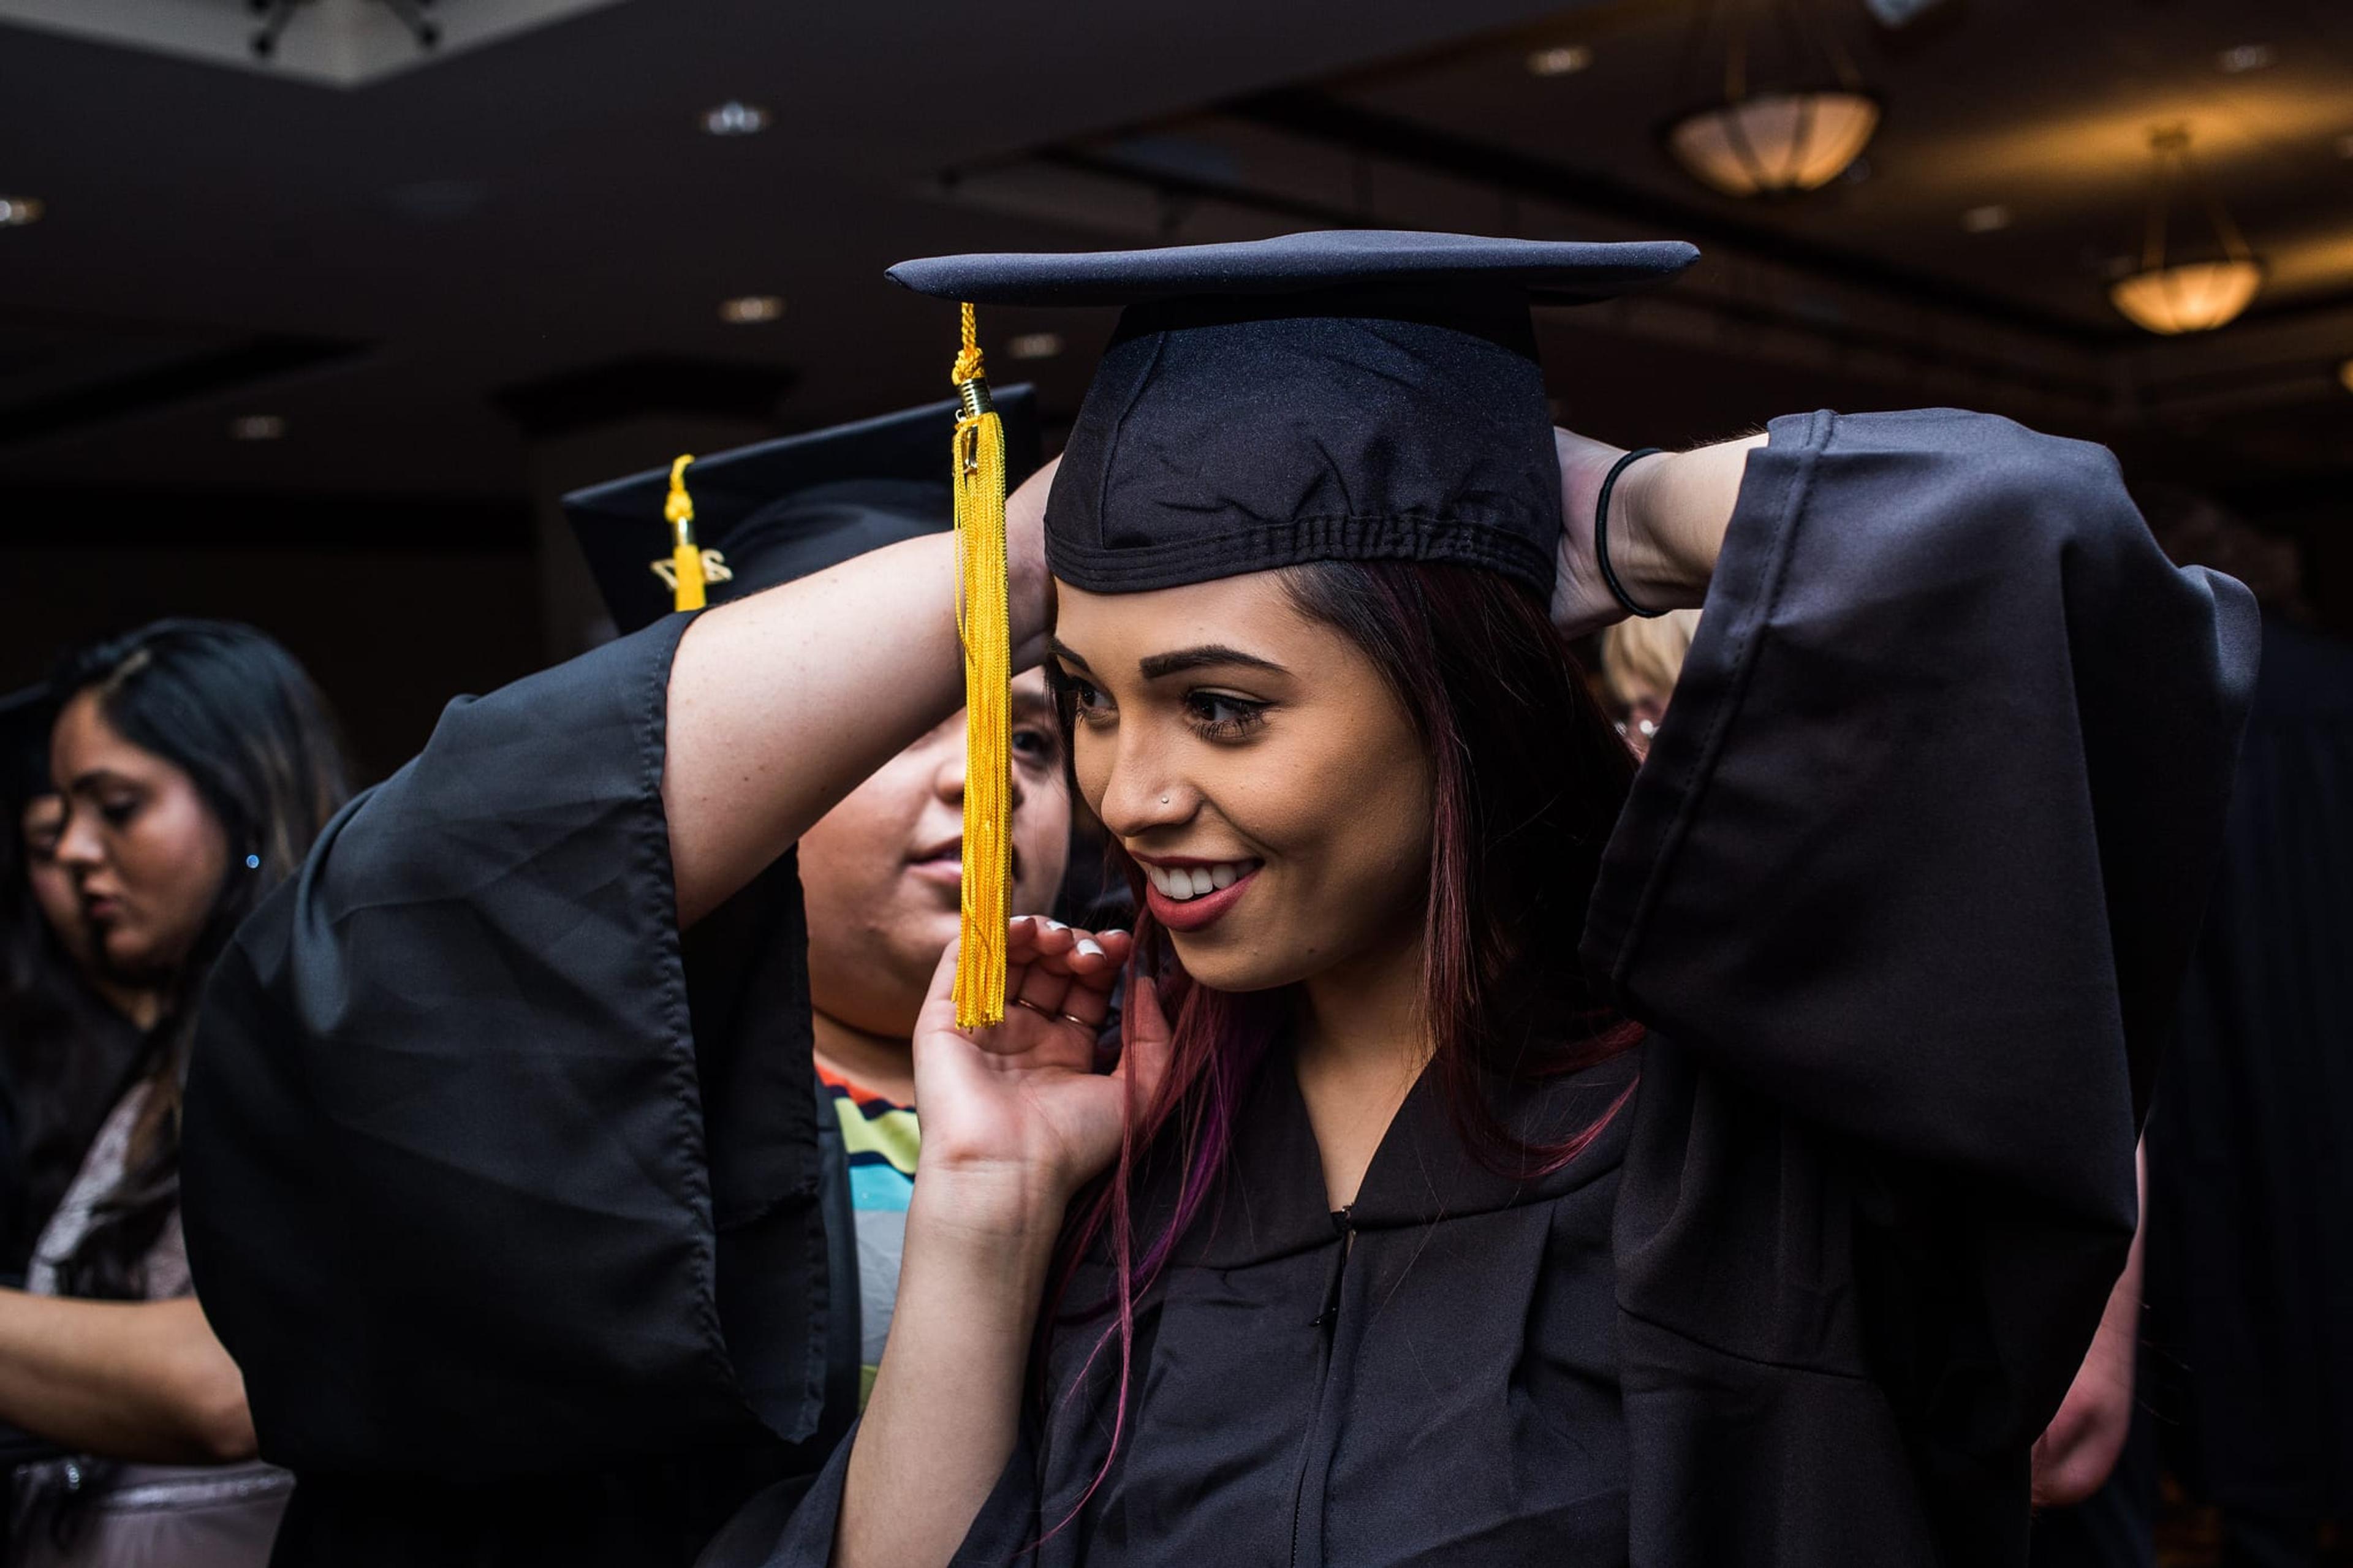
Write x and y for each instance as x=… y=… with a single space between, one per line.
x=431 y=277
x=545 y=206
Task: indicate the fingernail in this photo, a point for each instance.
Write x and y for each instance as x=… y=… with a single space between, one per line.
x=1053 y=924
x=1088 y=946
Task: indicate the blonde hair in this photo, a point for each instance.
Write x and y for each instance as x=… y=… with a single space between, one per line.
x=1642 y=658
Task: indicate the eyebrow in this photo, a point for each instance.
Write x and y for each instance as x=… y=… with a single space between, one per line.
x=1032 y=702
x=1165 y=664
x=98 y=779
x=1208 y=654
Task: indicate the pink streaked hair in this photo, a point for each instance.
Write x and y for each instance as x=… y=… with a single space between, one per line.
x=1529 y=775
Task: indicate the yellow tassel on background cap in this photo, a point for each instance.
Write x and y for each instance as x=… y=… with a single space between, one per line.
x=983 y=622
x=686 y=561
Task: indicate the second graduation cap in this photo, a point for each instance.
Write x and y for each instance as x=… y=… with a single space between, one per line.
x=1357 y=395
x=782 y=510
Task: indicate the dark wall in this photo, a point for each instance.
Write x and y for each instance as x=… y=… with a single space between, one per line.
x=391 y=634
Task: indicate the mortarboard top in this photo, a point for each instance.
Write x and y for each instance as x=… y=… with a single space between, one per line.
x=1355 y=395
x=782 y=510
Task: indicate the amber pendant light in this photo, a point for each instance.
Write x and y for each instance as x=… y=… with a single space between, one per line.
x=1775 y=141
x=2172 y=297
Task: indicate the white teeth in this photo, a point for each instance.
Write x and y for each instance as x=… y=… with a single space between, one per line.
x=1183 y=882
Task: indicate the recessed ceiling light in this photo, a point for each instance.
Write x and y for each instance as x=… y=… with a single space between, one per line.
x=1566 y=59
x=256 y=427
x=1898 y=13
x=1034 y=346
x=2245 y=57
x=735 y=119
x=748 y=309
x=16 y=212
x=1986 y=218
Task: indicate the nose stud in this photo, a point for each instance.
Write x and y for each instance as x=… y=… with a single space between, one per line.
x=1164 y=800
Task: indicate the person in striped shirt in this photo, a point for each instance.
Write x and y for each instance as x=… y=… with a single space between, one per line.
x=879 y=876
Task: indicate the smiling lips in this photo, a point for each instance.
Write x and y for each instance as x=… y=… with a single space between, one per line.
x=1190 y=895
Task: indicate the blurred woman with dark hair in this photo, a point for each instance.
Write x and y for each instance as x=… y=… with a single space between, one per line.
x=197 y=762
x=68 y=1031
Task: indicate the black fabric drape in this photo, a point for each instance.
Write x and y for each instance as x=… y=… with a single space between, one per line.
x=2250 y=1142
x=498 y=1191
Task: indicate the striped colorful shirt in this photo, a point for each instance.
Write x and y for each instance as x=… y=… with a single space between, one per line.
x=880 y=1138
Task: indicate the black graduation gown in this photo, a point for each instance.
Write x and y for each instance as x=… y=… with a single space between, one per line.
x=1903 y=893
x=2251 y=1188
x=510 y=1203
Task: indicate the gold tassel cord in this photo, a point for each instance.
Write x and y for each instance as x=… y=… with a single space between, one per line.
x=686 y=573
x=983 y=622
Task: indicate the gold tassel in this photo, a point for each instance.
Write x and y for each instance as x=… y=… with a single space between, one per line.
x=983 y=622
x=686 y=573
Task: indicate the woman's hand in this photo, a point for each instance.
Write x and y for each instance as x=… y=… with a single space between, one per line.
x=1667 y=518
x=1016 y=1118
x=2076 y=1453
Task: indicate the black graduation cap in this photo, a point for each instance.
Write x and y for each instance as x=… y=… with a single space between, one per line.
x=781 y=509
x=1355 y=395
x=26 y=719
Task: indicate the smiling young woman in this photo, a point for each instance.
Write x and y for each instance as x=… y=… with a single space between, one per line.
x=1514 y=1160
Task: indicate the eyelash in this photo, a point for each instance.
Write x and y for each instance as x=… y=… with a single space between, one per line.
x=1247 y=715
x=1086 y=706
x=1050 y=744
x=1075 y=697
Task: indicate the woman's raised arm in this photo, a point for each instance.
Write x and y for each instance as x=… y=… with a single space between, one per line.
x=782 y=702
x=1667 y=517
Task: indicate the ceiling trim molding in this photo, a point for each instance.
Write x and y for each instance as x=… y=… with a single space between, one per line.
x=328 y=43
x=192 y=378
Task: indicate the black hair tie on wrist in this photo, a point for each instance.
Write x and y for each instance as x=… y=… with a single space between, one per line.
x=1601 y=533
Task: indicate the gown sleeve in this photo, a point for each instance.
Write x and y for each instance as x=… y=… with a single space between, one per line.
x=487 y=1169
x=1905 y=893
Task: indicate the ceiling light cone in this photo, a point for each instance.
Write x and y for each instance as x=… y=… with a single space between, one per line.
x=2187 y=296
x=1771 y=143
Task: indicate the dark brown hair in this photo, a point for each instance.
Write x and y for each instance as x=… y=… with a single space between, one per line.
x=237 y=714
x=1529 y=776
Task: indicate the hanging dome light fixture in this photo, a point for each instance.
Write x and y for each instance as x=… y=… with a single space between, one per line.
x=1776 y=141
x=2175 y=296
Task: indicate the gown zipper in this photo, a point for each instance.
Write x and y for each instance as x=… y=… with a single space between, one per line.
x=1325 y=1320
